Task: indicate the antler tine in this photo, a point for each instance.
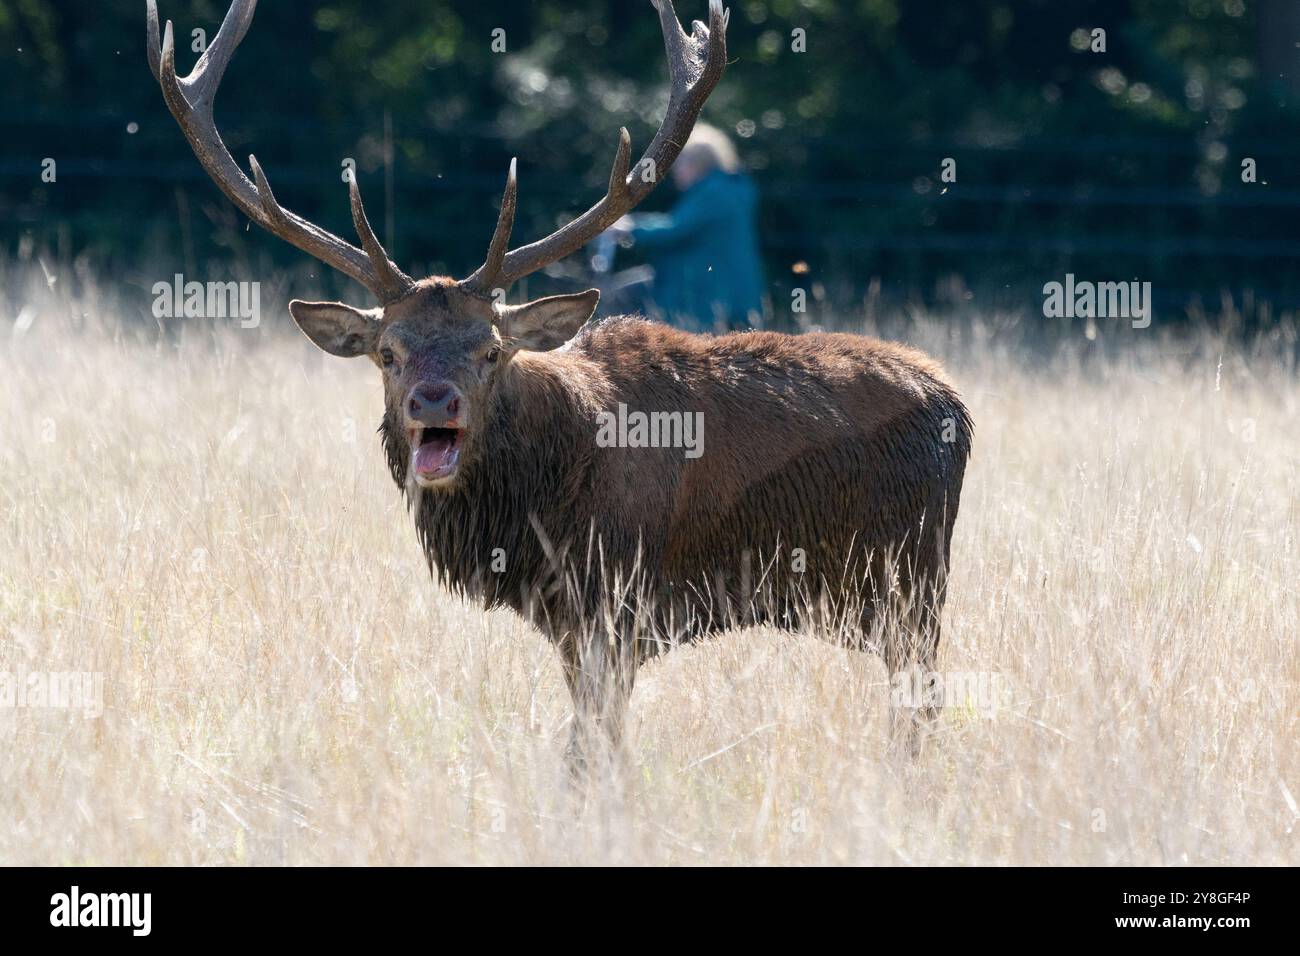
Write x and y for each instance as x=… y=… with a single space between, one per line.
x=211 y=66
x=483 y=280
x=190 y=101
x=622 y=159
x=171 y=84
x=274 y=211
x=153 y=47
x=695 y=64
x=392 y=280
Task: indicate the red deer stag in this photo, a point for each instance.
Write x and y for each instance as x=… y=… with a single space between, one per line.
x=824 y=496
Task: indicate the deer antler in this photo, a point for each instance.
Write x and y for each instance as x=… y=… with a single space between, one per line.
x=695 y=64
x=190 y=100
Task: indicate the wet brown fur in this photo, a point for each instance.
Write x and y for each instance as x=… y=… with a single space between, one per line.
x=827 y=443
x=849 y=449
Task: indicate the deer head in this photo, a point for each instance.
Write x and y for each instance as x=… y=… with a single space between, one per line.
x=441 y=344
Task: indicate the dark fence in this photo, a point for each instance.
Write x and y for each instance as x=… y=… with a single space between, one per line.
x=1020 y=213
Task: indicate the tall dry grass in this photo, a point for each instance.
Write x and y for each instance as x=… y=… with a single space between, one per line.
x=203 y=518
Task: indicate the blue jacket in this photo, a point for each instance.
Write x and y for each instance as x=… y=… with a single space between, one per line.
x=705 y=252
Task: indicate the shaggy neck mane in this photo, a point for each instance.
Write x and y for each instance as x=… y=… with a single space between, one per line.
x=482 y=537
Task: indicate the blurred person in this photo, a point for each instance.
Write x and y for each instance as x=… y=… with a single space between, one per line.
x=707 y=272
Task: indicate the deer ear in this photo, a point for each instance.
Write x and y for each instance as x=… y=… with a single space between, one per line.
x=545 y=324
x=337 y=328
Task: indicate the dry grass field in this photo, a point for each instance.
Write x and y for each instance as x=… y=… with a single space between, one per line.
x=203 y=518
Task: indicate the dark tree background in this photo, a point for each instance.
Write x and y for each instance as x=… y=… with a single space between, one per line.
x=1116 y=165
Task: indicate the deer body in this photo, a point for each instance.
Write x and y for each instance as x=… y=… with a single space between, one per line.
x=825 y=491
x=833 y=464
x=823 y=450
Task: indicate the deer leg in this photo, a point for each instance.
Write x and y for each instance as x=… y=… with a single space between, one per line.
x=600 y=674
x=910 y=649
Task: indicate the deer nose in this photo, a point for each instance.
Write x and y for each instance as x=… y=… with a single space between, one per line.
x=434 y=405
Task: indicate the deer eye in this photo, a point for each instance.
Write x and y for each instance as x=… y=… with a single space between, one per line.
x=493 y=354
x=386 y=356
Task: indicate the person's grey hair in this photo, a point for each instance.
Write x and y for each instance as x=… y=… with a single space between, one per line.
x=710 y=145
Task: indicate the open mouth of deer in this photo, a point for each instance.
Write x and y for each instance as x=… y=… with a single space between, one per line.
x=435 y=453
x=695 y=64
